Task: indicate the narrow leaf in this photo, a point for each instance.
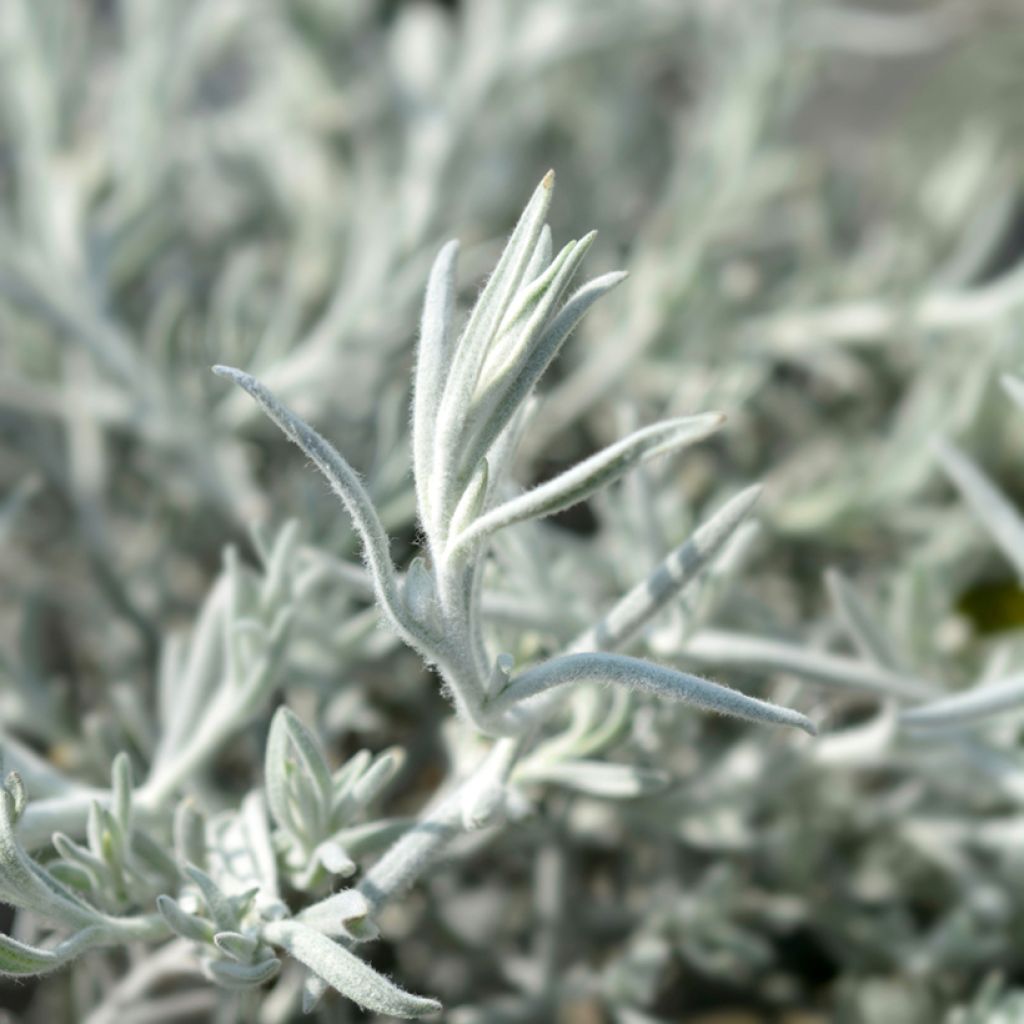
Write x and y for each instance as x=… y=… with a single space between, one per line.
x=121 y=778
x=432 y=361
x=217 y=903
x=188 y=926
x=990 y=505
x=17 y=959
x=722 y=647
x=386 y=766
x=648 y=597
x=26 y=884
x=575 y=484
x=541 y=255
x=343 y=481
x=189 y=833
x=309 y=753
x=261 y=848
x=644 y=677
x=275 y=774
x=503 y=283
x=507 y=392
x=975 y=705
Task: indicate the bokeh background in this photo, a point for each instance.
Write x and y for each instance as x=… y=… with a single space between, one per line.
x=821 y=209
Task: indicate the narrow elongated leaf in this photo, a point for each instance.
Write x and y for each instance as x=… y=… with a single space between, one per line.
x=189 y=833
x=275 y=773
x=507 y=392
x=261 y=847
x=502 y=285
x=185 y=688
x=968 y=708
x=989 y=504
x=217 y=902
x=349 y=773
x=530 y=308
x=309 y=753
x=188 y=926
x=646 y=677
x=25 y=884
x=378 y=775
x=121 y=777
x=97 y=869
x=723 y=647
x=344 y=481
x=433 y=358
x=471 y=348
x=648 y=597
x=601 y=469
x=17 y=959
x=541 y=255
x=346 y=973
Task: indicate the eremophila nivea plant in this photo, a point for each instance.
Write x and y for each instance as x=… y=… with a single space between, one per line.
x=248 y=887
x=471 y=404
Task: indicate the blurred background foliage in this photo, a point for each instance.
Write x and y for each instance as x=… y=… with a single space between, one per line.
x=821 y=208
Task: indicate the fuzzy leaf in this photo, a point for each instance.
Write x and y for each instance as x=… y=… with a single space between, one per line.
x=433 y=358
x=384 y=768
x=510 y=389
x=723 y=647
x=17 y=959
x=648 y=597
x=188 y=926
x=25 y=884
x=310 y=755
x=276 y=759
x=575 y=484
x=217 y=903
x=645 y=677
x=189 y=833
x=343 y=481
x=121 y=777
